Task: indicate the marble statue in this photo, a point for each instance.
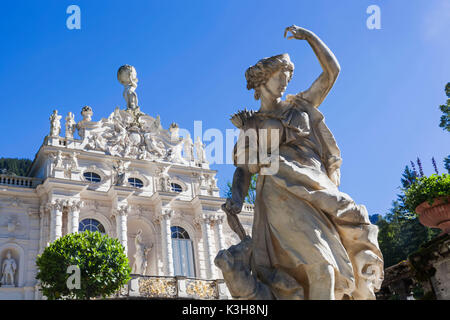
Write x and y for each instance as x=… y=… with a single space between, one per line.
x=55 y=125
x=95 y=142
x=174 y=154
x=188 y=148
x=141 y=255
x=70 y=125
x=164 y=179
x=58 y=161
x=211 y=184
x=143 y=153
x=127 y=76
x=119 y=168
x=309 y=240
x=9 y=268
x=200 y=150
x=155 y=147
x=73 y=161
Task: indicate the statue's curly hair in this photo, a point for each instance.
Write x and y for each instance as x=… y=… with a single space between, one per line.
x=260 y=73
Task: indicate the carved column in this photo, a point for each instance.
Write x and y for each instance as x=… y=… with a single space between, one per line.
x=74 y=215
x=55 y=208
x=42 y=211
x=121 y=224
x=219 y=232
x=208 y=241
x=166 y=241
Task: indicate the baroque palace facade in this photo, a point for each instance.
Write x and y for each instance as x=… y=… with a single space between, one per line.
x=129 y=178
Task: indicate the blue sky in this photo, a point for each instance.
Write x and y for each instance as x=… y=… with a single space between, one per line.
x=191 y=57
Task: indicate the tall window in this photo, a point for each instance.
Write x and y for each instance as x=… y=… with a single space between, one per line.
x=92 y=176
x=183 y=258
x=176 y=187
x=91 y=225
x=135 y=182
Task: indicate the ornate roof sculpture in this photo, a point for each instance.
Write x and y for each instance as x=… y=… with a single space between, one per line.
x=131 y=133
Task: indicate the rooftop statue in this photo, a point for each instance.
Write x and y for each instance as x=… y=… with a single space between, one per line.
x=55 y=125
x=127 y=76
x=309 y=239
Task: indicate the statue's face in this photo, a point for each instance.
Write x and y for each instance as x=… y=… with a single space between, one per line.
x=277 y=83
x=8 y=255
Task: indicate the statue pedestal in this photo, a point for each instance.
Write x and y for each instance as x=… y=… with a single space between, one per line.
x=53 y=141
x=59 y=173
x=75 y=175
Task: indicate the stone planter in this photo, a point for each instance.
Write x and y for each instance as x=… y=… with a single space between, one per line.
x=435 y=216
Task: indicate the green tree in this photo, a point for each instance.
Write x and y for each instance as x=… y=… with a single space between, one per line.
x=445 y=108
x=103 y=265
x=445 y=121
x=400 y=232
x=251 y=195
x=15 y=166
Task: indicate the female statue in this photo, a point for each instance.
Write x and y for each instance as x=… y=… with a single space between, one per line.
x=310 y=241
x=141 y=255
x=55 y=126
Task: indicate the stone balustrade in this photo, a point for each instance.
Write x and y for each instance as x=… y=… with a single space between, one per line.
x=178 y=287
x=247 y=207
x=18 y=181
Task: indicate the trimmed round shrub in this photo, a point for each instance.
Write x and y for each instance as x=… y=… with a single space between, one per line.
x=102 y=263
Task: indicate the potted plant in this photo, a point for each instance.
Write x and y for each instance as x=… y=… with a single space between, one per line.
x=429 y=197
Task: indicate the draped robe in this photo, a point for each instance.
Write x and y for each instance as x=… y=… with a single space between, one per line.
x=301 y=219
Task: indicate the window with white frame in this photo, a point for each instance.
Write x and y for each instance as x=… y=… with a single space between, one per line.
x=182 y=251
x=92 y=176
x=175 y=187
x=135 y=182
x=91 y=225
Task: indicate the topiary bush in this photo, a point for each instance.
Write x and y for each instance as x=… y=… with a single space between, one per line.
x=103 y=265
x=426 y=189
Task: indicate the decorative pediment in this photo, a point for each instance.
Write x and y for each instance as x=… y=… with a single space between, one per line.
x=133 y=134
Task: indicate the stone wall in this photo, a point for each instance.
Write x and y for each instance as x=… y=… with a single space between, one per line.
x=425 y=275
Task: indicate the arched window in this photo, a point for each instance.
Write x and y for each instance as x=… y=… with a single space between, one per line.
x=183 y=258
x=92 y=176
x=135 y=182
x=91 y=225
x=176 y=187
x=179 y=233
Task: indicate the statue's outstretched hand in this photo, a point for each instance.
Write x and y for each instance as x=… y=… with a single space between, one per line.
x=297 y=32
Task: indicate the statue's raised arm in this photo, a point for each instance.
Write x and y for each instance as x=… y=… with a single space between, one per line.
x=323 y=84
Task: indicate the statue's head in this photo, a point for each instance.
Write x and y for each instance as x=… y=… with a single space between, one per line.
x=270 y=75
x=126 y=74
x=8 y=255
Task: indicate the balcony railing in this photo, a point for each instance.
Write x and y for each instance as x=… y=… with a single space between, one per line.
x=18 y=181
x=247 y=207
x=162 y=287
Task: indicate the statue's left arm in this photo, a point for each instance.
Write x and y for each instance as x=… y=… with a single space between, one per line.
x=323 y=84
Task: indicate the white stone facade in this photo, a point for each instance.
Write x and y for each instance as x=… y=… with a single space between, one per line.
x=128 y=174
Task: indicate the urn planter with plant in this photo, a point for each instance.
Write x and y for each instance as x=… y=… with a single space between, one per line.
x=429 y=198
